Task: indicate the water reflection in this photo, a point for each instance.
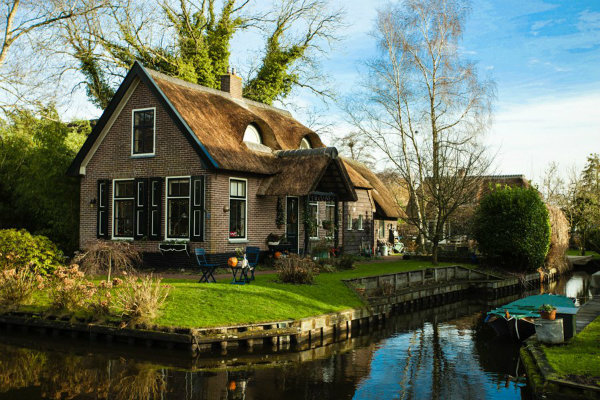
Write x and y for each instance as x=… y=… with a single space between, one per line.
x=440 y=353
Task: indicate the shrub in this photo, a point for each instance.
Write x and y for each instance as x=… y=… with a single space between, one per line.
x=141 y=298
x=346 y=261
x=69 y=290
x=17 y=286
x=293 y=269
x=108 y=257
x=20 y=249
x=512 y=228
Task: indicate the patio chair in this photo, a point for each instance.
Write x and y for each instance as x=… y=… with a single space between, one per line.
x=206 y=268
x=252 y=254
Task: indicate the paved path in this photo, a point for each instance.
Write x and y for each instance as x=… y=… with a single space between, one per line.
x=588 y=312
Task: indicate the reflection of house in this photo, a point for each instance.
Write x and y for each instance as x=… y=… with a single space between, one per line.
x=458 y=227
x=170 y=161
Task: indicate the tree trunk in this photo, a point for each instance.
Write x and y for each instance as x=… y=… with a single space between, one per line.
x=434 y=252
x=109 y=267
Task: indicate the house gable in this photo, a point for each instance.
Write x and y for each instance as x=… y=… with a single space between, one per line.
x=136 y=76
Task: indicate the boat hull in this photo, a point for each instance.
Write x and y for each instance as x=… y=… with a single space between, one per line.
x=516 y=329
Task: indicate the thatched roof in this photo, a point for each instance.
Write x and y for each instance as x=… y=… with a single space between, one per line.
x=301 y=172
x=219 y=121
x=363 y=177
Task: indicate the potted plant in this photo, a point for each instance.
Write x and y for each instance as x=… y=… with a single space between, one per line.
x=273 y=239
x=321 y=248
x=327 y=225
x=547 y=311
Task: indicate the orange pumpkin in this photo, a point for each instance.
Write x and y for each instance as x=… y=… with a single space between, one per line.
x=232 y=262
x=277 y=255
x=232 y=386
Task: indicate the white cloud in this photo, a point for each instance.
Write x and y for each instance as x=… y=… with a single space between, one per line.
x=563 y=129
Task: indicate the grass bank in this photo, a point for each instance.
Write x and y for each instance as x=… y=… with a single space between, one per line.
x=578 y=360
x=575 y=252
x=196 y=305
x=202 y=305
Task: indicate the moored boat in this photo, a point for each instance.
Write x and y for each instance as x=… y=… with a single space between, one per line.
x=516 y=320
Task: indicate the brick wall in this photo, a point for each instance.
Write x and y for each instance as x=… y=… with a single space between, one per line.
x=173 y=157
x=352 y=238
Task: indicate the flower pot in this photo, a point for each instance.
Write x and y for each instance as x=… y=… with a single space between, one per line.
x=548 y=315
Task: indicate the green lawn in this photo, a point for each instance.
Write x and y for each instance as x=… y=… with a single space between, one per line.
x=196 y=305
x=202 y=305
x=575 y=252
x=581 y=356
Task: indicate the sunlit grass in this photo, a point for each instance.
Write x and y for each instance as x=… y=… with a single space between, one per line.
x=581 y=356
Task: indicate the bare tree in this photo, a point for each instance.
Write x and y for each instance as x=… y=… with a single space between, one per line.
x=28 y=31
x=354 y=146
x=553 y=186
x=424 y=108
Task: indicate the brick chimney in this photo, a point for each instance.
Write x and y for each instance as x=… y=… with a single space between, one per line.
x=232 y=84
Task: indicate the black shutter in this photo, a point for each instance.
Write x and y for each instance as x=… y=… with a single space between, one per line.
x=154 y=208
x=197 y=208
x=102 y=214
x=140 y=218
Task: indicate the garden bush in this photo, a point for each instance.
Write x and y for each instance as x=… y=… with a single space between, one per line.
x=293 y=269
x=109 y=257
x=17 y=286
x=19 y=249
x=512 y=228
x=346 y=261
x=141 y=298
x=69 y=290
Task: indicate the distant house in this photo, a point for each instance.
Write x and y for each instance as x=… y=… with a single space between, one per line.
x=174 y=162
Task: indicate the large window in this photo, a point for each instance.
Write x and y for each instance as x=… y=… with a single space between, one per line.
x=313 y=214
x=143 y=132
x=123 y=208
x=360 y=222
x=237 y=209
x=178 y=208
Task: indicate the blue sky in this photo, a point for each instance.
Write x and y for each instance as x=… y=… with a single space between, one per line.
x=543 y=55
x=545 y=59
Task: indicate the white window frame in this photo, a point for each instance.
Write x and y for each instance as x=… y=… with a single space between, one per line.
x=113 y=237
x=349 y=222
x=151 y=204
x=254 y=131
x=239 y=239
x=153 y=133
x=359 y=223
x=328 y=205
x=313 y=203
x=167 y=197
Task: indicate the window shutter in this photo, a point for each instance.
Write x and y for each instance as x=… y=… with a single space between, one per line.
x=102 y=210
x=140 y=218
x=197 y=208
x=154 y=208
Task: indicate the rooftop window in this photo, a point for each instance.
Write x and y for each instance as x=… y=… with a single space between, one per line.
x=305 y=144
x=252 y=135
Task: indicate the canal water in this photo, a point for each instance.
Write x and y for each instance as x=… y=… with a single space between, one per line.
x=439 y=353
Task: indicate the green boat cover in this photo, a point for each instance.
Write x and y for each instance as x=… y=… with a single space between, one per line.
x=528 y=306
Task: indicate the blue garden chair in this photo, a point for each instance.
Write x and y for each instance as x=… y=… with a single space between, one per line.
x=206 y=268
x=252 y=254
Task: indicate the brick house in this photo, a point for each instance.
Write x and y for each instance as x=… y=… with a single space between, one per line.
x=174 y=163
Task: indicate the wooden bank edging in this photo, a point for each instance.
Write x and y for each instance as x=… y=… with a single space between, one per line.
x=301 y=334
x=552 y=384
